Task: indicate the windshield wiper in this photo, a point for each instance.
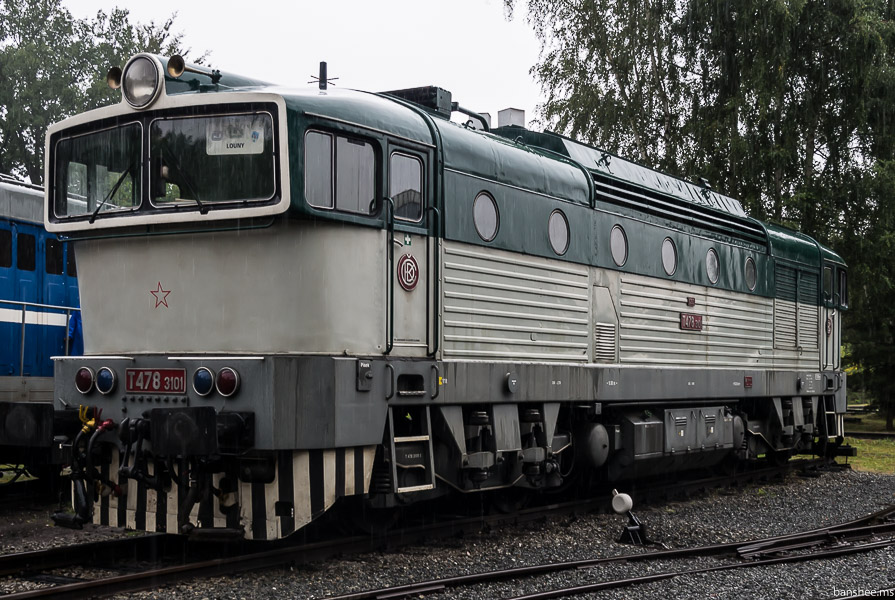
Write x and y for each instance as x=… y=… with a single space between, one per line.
x=111 y=192
x=203 y=210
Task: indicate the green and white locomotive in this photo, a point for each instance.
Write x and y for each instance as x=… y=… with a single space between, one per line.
x=294 y=296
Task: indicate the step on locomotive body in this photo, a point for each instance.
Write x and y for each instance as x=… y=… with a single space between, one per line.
x=296 y=296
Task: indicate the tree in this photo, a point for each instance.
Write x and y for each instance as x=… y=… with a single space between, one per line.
x=785 y=105
x=53 y=66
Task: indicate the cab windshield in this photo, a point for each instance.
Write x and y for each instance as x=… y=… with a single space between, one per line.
x=199 y=160
x=98 y=172
x=162 y=163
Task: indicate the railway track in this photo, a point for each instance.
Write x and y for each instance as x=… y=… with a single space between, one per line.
x=815 y=544
x=151 y=561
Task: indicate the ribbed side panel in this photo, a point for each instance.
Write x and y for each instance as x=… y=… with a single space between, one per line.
x=504 y=305
x=737 y=329
x=734 y=330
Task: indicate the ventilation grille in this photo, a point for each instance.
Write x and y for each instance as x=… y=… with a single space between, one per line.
x=795 y=309
x=604 y=342
x=785 y=310
x=808 y=310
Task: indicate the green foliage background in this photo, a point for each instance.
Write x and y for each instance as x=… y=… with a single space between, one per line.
x=786 y=105
x=53 y=65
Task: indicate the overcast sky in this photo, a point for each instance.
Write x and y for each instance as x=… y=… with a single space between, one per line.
x=465 y=46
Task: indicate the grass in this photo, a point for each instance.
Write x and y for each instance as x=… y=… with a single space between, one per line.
x=869 y=422
x=874 y=456
x=7 y=472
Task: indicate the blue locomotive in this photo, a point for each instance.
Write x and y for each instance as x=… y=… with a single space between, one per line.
x=38 y=303
x=298 y=297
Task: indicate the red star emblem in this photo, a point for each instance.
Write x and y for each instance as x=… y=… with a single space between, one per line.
x=161 y=296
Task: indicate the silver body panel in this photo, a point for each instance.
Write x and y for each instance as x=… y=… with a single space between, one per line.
x=297 y=287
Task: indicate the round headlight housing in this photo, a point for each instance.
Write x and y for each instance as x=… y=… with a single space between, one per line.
x=84 y=379
x=227 y=382
x=203 y=381
x=141 y=81
x=105 y=380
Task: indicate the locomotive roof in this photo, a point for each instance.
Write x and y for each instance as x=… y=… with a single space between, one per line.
x=543 y=162
x=500 y=159
x=21 y=201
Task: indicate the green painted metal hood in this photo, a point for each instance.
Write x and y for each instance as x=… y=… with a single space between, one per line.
x=500 y=159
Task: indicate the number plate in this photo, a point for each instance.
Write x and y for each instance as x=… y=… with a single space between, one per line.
x=691 y=322
x=156 y=381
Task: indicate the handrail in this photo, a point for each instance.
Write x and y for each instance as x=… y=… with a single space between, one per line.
x=390 y=275
x=435 y=278
x=38 y=305
x=25 y=306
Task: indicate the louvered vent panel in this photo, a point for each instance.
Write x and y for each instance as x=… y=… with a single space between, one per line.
x=786 y=283
x=808 y=316
x=604 y=342
x=785 y=308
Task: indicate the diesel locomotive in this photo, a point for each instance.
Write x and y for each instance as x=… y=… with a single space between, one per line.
x=38 y=299
x=293 y=297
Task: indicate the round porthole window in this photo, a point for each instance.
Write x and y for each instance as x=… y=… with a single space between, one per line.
x=485 y=216
x=558 y=231
x=669 y=256
x=751 y=274
x=712 y=266
x=618 y=244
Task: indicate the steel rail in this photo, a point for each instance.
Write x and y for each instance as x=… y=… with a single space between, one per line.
x=605 y=585
x=35 y=560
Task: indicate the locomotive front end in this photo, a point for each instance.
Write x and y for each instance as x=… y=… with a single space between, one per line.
x=175 y=201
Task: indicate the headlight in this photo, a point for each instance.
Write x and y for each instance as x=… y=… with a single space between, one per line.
x=141 y=81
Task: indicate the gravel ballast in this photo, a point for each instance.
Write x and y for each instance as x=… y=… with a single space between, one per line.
x=753 y=512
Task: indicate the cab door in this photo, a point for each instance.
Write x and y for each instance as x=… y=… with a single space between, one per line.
x=26 y=283
x=10 y=315
x=830 y=326
x=411 y=255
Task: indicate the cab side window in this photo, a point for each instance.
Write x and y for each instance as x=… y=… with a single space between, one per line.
x=843 y=288
x=5 y=248
x=27 y=255
x=54 y=263
x=340 y=173
x=70 y=267
x=828 y=284
x=406 y=186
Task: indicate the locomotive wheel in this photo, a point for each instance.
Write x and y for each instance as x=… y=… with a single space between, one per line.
x=510 y=501
x=778 y=458
x=373 y=521
x=531 y=415
x=479 y=418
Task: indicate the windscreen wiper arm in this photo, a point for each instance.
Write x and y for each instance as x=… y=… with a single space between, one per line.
x=203 y=210
x=111 y=192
